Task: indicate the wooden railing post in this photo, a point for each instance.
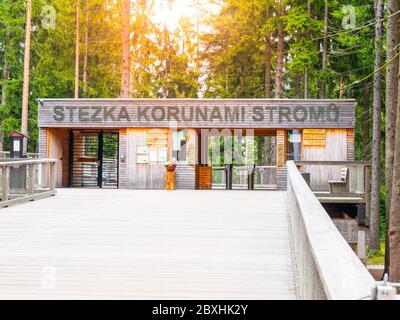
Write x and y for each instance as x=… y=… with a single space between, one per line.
x=5 y=183
x=53 y=176
x=31 y=179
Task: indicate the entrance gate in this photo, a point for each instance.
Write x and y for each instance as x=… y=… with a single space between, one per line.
x=94 y=159
x=244 y=162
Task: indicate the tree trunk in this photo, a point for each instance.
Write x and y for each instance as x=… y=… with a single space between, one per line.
x=197 y=35
x=392 y=83
x=3 y=100
x=394 y=223
x=1 y=138
x=306 y=69
x=280 y=51
x=297 y=81
x=25 y=90
x=306 y=83
x=341 y=88
x=126 y=19
x=77 y=49
x=85 y=59
x=325 y=49
x=366 y=139
x=268 y=56
x=4 y=84
x=376 y=136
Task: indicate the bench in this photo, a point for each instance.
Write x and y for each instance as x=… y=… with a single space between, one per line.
x=342 y=186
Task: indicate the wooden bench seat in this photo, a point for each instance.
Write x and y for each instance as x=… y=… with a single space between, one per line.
x=341 y=186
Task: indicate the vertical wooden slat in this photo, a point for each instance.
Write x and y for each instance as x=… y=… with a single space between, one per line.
x=192 y=141
x=122 y=159
x=53 y=176
x=5 y=183
x=43 y=142
x=31 y=178
x=204 y=147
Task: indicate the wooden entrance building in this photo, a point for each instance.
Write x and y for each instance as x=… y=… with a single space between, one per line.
x=124 y=143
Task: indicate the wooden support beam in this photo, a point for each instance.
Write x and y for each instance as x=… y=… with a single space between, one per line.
x=5 y=183
x=31 y=179
x=53 y=176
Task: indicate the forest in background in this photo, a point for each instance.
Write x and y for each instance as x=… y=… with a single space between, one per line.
x=246 y=49
x=253 y=49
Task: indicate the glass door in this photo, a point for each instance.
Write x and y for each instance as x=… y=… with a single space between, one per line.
x=94 y=159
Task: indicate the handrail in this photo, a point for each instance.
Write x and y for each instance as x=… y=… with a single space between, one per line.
x=218 y=168
x=26 y=162
x=333 y=163
x=29 y=154
x=326 y=266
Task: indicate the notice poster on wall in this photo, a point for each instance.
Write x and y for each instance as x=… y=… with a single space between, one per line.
x=162 y=156
x=142 y=155
x=17 y=146
x=142 y=150
x=295 y=138
x=142 y=159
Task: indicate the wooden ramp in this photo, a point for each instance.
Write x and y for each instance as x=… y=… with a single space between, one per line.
x=122 y=244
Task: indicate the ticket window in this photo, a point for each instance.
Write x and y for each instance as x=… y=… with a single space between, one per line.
x=294 y=145
x=179 y=146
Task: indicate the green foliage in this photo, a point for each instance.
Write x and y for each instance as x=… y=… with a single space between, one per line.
x=163 y=62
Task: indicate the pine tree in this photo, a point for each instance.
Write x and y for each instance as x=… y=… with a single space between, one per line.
x=376 y=143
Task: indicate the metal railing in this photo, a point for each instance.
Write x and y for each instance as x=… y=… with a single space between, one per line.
x=326 y=267
x=264 y=177
x=6 y=155
x=26 y=180
x=321 y=172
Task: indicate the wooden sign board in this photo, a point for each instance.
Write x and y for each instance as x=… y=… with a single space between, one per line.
x=197 y=113
x=157 y=138
x=314 y=137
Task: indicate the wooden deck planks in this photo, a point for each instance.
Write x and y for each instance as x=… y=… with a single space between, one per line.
x=147 y=245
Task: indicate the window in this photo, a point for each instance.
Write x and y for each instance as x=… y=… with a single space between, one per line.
x=294 y=145
x=179 y=146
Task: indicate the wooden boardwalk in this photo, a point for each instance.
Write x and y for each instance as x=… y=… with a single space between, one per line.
x=123 y=244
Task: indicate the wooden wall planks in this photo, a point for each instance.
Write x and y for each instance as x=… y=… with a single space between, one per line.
x=43 y=143
x=336 y=149
x=142 y=176
x=58 y=148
